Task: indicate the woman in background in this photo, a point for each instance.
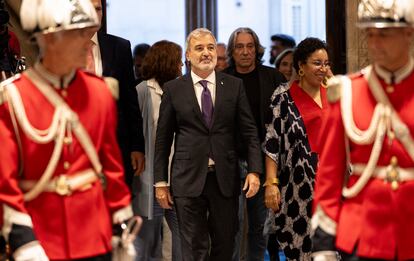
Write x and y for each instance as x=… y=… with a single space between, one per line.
x=284 y=63
x=162 y=63
x=292 y=147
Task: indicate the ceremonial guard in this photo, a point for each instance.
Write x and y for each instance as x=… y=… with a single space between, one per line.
x=62 y=189
x=365 y=182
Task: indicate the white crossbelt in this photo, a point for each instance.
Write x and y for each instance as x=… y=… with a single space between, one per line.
x=404 y=174
x=65 y=185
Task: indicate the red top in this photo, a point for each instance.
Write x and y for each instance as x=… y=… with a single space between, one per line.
x=311 y=113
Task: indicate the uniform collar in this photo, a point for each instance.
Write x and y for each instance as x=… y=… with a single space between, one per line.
x=53 y=79
x=398 y=76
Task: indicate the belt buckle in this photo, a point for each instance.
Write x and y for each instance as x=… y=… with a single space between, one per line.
x=393 y=176
x=62 y=186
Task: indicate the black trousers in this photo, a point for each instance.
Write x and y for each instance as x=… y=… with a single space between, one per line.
x=211 y=216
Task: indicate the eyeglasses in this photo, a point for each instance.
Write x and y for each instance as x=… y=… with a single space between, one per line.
x=321 y=64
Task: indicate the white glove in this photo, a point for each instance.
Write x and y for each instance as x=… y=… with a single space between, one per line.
x=32 y=251
x=122 y=251
x=325 y=256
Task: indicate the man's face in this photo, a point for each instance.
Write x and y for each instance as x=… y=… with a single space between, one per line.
x=221 y=58
x=276 y=48
x=244 y=53
x=98 y=8
x=69 y=47
x=202 y=54
x=137 y=66
x=389 y=47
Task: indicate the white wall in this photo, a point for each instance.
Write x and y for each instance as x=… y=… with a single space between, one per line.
x=153 y=20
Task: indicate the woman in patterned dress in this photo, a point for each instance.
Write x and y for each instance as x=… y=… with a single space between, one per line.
x=292 y=147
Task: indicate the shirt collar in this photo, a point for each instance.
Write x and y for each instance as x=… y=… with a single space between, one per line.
x=211 y=78
x=55 y=80
x=399 y=75
x=152 y=83
x=94 y=39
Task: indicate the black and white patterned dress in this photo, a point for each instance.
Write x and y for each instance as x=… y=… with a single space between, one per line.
x=287 y=144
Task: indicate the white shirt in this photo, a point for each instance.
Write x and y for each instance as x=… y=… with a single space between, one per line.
x=198 y=88
x=97 y=55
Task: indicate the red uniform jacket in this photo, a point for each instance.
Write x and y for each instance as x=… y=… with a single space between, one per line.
x=78 y=225
x=378 y=221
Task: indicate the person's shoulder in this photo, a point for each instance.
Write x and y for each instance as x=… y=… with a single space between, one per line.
x=116 y=42
x=177 y=83
x=280 y=94
x=112 y=37
x=227 y=76
x=90 y=76
x=356 y=75
x=271 y=72
x=13 y=80
x=97 y=83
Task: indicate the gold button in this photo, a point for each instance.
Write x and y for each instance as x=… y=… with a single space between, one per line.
x=66 y=165
x=64 y=93
x=389 y=89
x=394 y=161
x=67 y=140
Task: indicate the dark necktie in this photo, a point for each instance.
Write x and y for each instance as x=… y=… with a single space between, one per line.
x=206 y=104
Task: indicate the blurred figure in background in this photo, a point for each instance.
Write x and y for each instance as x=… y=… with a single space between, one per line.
x=138 y=56
x=162 y=63
x=284 y=63
x=110 y=56
x=221 y=57
x=280 y=42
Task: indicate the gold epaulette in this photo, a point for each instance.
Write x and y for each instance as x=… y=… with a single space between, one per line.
x=3 y=85
x=113 y=86
x=334 y=89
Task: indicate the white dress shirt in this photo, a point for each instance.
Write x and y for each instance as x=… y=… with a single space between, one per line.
x=97 y=55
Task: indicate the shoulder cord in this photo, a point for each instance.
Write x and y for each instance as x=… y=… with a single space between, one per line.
x=63 y=119
x=384 y=119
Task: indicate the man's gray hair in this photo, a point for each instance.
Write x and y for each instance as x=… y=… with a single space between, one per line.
x=197 y=33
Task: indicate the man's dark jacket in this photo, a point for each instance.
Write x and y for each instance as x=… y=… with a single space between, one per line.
x=117 y=63
x=180 y=114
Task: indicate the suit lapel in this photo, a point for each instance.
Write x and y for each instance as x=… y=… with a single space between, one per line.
x=219 y=96
x=106 y=54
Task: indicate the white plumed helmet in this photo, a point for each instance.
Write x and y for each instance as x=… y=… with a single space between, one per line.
x=386 y=13
x=50 y=16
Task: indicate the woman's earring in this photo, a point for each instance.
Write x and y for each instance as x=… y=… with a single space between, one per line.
x=324 y=82
x=301 y=73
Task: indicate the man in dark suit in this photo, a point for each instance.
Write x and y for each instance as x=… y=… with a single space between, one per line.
x=245 y=59
x=204 y=110
x=112 y=57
